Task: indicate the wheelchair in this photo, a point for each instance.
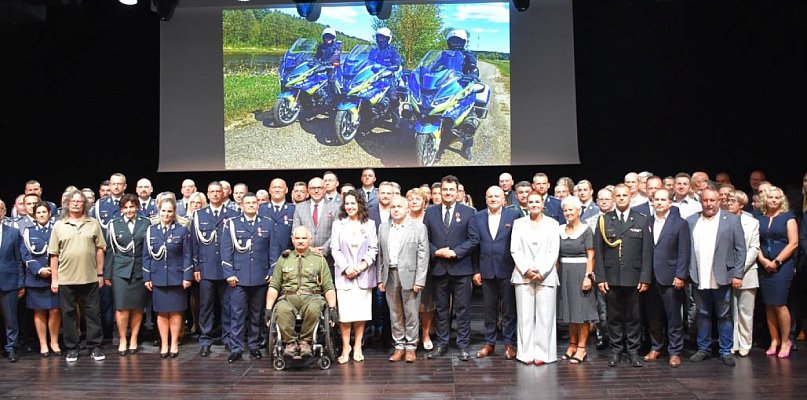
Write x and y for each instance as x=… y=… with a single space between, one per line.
x=322 y=343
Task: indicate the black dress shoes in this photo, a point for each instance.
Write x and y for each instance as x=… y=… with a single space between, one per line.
x=235 y=356
x=256 y=354
x=204 y=351
x=12 y=356
x=614 y=359
x=438 y=351
x=464 y=355
x=601 y=343
x=635 y=360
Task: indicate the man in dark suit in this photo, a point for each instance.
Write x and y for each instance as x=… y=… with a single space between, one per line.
x=623 y=250
x=368 y=189
x=495 y=267
x=670 y=269
x=11 y=284
x=451 y=241
x=717 y=263
x=540 y=183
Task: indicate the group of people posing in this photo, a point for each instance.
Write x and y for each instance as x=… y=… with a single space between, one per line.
x=638 y=263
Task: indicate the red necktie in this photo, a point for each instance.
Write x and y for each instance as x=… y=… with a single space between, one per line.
x=315 y=216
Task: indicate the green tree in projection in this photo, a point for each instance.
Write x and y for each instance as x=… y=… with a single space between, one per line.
x=238 y=27
x=416 y=29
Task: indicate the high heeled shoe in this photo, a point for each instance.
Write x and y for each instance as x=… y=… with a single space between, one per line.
x=783 y=353
x=772 y=350
x=569 y=355
x=575 y=359
x=174 y=354
x=163 y=355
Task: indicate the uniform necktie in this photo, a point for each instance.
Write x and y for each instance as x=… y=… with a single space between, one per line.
x=215 y=214
x=131 y=226
x=447 y=218
x=315 y=217
x=252 y=223
x=277 y=209
x=524 y=212
x=143 y=206
x=622 y=217
x=368 y=195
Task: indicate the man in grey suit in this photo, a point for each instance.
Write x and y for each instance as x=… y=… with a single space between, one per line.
x=403 y=262
x=317 y=215
x=717 y=263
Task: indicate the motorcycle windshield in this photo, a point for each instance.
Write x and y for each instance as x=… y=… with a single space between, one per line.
x=302 y=50
x=355 y=60
x=438 y=66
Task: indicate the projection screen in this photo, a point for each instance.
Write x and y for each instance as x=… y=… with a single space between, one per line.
x=242 y=87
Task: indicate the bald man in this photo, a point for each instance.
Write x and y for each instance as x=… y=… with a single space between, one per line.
x=506 y=183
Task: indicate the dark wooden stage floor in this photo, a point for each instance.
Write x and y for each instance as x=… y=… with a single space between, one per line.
x=146 y=376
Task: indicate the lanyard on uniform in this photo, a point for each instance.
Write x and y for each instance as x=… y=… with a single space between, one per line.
x=615 y=243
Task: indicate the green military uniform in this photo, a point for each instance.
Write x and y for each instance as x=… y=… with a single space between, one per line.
x=301 y=280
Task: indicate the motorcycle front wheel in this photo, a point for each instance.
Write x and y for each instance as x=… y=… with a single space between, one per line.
x=426 y=150
x=284 y=113
x=345 y=125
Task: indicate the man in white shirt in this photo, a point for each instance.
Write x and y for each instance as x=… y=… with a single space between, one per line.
x=717 y=264
x=683 y=199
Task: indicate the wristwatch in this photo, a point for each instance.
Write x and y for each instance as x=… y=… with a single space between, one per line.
x=777 y=262
x=590 y=275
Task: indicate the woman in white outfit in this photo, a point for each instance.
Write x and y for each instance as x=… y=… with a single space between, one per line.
x=535 y=245
x=743 y=299
x=354 y=245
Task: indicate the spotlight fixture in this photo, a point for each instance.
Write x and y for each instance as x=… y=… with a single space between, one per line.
x=379 y=9
x=128 y=2
x=309 y=10
x=164 y=8
x=521 y=5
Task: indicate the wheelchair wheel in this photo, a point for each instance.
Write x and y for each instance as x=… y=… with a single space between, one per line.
x=328 y=342
x=279 y=364
x=324 y=362
x=271 y=342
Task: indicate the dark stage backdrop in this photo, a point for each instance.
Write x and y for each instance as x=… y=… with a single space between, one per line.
x=664 y=86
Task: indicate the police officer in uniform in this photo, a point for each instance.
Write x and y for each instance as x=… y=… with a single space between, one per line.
x=281 y=215
x=387 y=55
x=104 y=210
x=456 y=41
x=300 y=279
x=207 y=270
x=244 y=245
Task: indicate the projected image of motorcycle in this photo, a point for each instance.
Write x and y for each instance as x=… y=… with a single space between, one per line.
x=304 y=84
x=443 y=104
x=369 y=93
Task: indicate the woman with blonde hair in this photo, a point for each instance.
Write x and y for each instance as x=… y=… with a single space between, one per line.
x=779 y=240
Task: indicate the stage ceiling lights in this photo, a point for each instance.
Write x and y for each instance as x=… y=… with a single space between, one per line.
x=521 y=5
x=128 y=2
x=379 y=9
x=309 y=10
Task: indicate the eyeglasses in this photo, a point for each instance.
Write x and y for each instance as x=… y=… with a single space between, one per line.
x=731 y=201
x=315 y=187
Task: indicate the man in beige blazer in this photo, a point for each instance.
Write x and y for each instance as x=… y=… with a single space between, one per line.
x=402 y=265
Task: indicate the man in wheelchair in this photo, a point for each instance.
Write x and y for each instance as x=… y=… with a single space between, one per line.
x=300 y=279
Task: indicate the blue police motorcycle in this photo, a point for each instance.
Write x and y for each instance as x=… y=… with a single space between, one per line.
x=363 y=87
x=443 y=103
x=303 y=83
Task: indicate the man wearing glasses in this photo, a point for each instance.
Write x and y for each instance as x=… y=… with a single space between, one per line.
x=317 y=215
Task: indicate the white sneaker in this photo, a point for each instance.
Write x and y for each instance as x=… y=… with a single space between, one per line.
x=97 y=354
